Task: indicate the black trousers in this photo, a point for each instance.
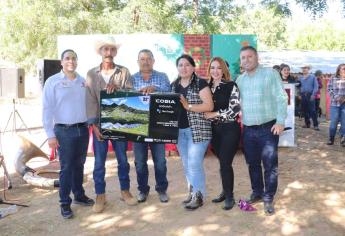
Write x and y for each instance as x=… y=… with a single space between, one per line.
x=225 y=141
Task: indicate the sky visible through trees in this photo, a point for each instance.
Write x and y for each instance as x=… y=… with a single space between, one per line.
x=29 y=28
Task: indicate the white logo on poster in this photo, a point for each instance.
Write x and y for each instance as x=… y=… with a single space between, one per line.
x=145 y=99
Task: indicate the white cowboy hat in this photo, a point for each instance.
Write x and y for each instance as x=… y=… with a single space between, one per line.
x=306 y=66
x=108 y=40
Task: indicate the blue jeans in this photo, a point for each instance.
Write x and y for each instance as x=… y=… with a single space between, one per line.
x=100 y=149
x=73 y=142
x=337 y=115
x=308 y=107
x=260 y=145
x=160 y=166
x=192 y=156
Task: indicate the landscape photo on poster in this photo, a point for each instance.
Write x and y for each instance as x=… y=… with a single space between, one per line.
x=132 y=116
x=126 y=115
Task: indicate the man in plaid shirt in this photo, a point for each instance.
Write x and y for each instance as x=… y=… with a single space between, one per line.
x=148 y=81
x=264 y=109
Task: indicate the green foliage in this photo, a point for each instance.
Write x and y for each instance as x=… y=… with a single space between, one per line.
x=279 y=7
x=29 y=28
x=269 y=27
x=321 y=35
x=316 y=7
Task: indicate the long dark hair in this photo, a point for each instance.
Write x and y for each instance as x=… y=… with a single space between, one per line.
x=192 y=62
x=337 y=74
x=187 y=57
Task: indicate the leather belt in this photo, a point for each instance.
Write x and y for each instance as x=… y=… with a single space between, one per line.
x=76 y=125
x=264 y=125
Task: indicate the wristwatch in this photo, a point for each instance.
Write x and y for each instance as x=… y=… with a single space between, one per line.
x=190 y=107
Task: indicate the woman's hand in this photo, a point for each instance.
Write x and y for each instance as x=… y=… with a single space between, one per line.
x=211 y=115
x=184 y=102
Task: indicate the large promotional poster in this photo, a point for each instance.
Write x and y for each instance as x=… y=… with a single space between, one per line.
x=142 y=118
x=287 y=138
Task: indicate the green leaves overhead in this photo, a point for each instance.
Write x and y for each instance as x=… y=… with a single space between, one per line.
x=29 y=28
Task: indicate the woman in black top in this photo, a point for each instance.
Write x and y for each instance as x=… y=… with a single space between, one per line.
x=226 y=130
x=194 y=129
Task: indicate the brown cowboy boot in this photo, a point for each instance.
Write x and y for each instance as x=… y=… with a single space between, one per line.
x=99 y=205
x=127 y=197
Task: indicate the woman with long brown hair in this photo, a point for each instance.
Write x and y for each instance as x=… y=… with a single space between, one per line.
x=225 y=128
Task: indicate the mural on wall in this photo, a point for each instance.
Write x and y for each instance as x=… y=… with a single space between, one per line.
x=229 y=49
x=165 y=47
x=199 y=59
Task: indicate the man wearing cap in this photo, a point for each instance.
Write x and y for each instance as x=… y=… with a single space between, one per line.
x=264 y=110
x=148 y=80
x=309 y=88
x=64 y=120
x=107 y=76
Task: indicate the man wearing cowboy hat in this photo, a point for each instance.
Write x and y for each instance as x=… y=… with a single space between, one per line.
x=111 y=77
x=309 y=88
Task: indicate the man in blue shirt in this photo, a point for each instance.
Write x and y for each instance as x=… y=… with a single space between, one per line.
x=264 y=110
x=148 y=81
x=65 y=122
x=309 y=88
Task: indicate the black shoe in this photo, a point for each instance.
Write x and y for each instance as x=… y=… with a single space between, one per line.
x=228 y=203
x=196 y=202
x=268 y=208
x=189 y=197
x=316 y=128
x=330 y=141
x=253 y=199
x=84 y=201
x=66 y=211
x=306 y=126
x=142 y=197
x=219 y=198
x=163 y=197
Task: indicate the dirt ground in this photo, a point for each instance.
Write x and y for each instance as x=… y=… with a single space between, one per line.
x=310 y=198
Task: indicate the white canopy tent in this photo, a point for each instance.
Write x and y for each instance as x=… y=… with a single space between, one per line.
x=325 y=61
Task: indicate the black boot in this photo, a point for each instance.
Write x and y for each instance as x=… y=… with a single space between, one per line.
x=219 y=198
x=229 y=203
x=196 y=201
x=330 y=141
x=189 y=197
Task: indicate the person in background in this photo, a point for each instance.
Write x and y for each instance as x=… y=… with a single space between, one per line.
x=195 y=130
x=285 y=74
x=288 y=78
x=318 y=74
x=226 y=131
x=107 y=76
x=65 y=122
x=148 y=80
x=277 y=68
x=264 y=110
x=309 y=88
x=336 y=90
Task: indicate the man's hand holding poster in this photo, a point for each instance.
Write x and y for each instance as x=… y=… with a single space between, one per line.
x=136 y=117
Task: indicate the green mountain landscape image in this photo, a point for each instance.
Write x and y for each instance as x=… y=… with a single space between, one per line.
x=124 y=118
